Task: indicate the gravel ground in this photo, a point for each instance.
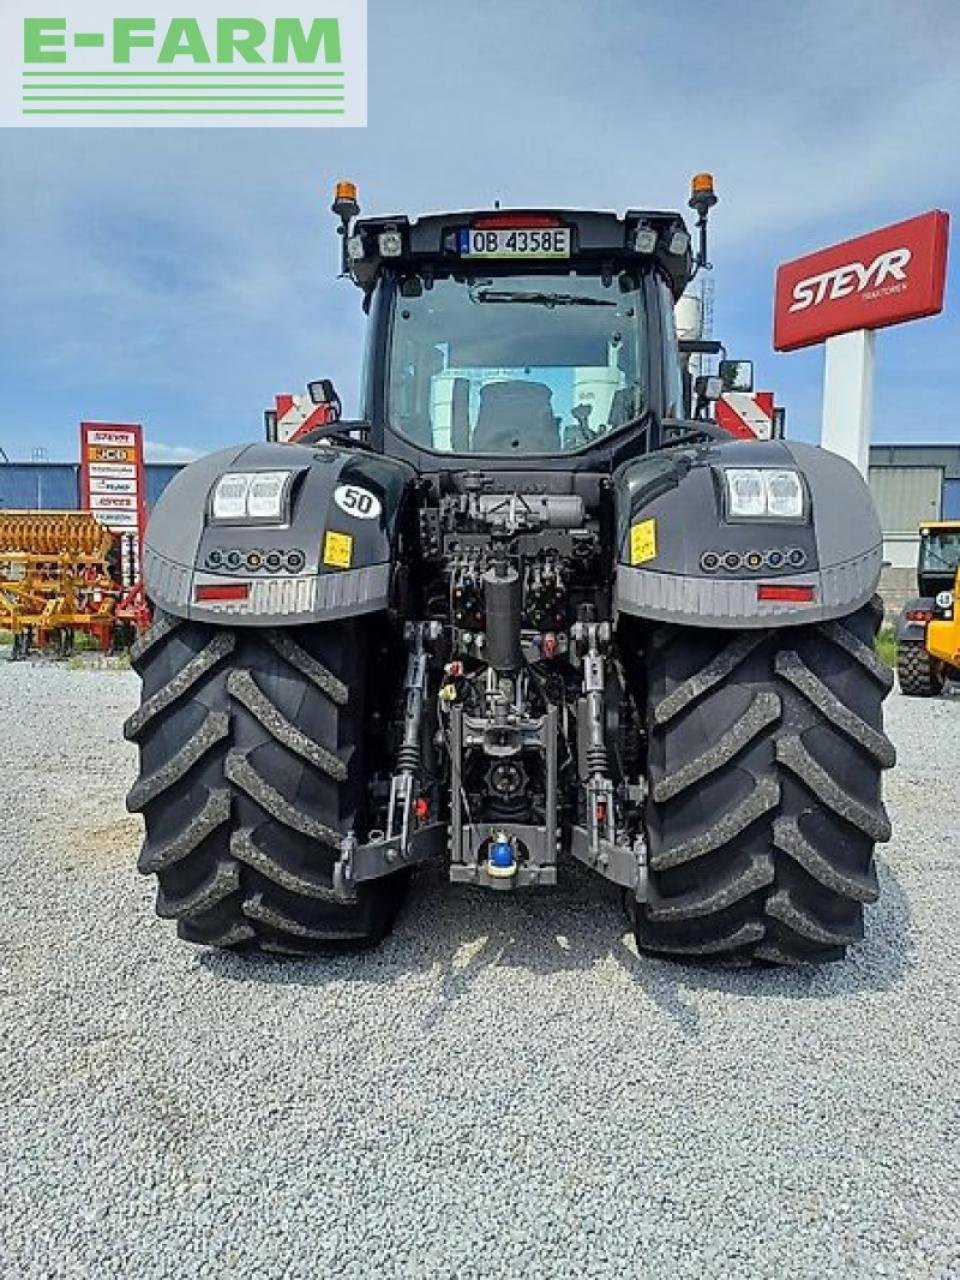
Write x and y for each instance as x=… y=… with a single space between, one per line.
x=503 y=1089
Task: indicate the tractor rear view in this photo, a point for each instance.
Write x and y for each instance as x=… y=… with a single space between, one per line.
x=928 y=631
x=531 y=606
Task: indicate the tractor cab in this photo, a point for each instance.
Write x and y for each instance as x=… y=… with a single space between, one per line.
x=939 y=557
x=541 y=338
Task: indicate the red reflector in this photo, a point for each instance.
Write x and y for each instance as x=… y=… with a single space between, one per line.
x=211 y=591
x=918 y=615
x=520 y=221
x=776 y=591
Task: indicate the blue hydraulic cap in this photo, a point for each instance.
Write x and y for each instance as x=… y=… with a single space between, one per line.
x=501 y=860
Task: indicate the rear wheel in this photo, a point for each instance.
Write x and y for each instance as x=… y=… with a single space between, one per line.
x=920 y=675
x=765 y=751
x=253 y=766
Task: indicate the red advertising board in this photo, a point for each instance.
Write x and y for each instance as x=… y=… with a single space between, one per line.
x=113 y=485
x=882 y=278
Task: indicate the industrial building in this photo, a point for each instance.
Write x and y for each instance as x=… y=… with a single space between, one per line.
x=912 y=483
x=55 y=486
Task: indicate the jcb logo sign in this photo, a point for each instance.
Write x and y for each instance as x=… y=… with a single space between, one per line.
x=881 y=278
x=94 y=64
x=106 y=453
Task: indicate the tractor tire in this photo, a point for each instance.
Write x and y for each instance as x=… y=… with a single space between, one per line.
x=765 y=752
x=252 y=768
x=918 y=673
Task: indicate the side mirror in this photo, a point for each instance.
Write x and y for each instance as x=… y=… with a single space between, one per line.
x=699 y=346
x=736 y=375
x=322 y=391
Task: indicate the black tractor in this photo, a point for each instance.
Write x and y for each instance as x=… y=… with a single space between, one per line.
x=531 y=606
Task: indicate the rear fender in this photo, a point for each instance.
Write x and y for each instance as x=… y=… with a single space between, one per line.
x=335 y=553
x=670 y=522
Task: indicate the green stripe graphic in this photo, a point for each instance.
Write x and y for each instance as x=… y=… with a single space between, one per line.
x=197 y=90
x=189 y=97
x=182 y=111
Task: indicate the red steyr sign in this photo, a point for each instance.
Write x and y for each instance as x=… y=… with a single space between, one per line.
x=882 y=278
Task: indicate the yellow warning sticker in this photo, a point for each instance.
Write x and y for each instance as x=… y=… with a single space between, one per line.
x=338 y=549
x=643 y=541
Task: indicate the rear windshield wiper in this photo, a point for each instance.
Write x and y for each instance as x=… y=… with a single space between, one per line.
x=540 y=299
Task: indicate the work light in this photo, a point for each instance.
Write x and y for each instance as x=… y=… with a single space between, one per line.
x=745 y=495
x=265 y=495
x=784 y=494
x=251 y=495
x=230 y=496
x=390 y=244
x=645 y=239
x=763 y=493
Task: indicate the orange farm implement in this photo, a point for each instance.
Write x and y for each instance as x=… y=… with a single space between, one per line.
x=58 y=578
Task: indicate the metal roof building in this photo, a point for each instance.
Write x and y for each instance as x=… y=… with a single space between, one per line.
x=55 y=486
x=912 y=483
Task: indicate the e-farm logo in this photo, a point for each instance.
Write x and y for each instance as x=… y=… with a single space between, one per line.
x=103 y=63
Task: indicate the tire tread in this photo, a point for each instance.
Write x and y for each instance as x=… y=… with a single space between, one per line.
x=251 y=773
x=915 y=671
x=765 y=760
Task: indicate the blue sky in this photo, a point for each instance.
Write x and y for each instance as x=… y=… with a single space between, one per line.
x=181 y=277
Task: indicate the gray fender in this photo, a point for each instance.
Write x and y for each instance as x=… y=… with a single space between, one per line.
x=319 y=577
x=906 y=628
x=670 y=513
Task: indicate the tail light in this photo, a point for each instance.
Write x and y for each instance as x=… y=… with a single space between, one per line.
x=785 y=593
x=515 y=221
x=218 y=592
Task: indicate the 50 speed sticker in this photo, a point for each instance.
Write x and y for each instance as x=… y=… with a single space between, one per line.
x=357 y=502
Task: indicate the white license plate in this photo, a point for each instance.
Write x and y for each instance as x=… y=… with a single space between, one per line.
x=515 y=242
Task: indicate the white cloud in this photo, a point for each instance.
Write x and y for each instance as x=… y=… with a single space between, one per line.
x=156 y=451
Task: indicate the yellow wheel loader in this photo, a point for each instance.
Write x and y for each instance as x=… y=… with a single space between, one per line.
x=928 y=632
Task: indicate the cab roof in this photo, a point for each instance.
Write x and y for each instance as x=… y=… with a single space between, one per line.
x=597 y=236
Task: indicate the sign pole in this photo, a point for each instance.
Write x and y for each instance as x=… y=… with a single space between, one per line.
x=848 y=396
